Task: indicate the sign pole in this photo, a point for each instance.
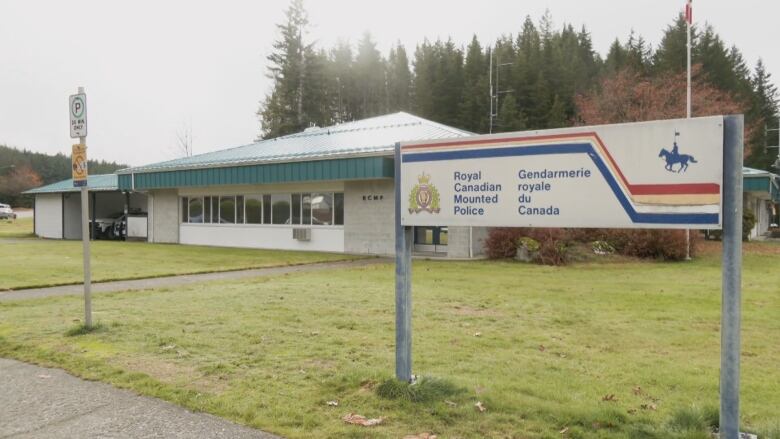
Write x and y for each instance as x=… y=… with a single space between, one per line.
x=78 y=115
x=403 y=284
x=689 y=21
x=732 y=277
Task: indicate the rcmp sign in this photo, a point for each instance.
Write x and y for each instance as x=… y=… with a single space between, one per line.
x=664 y=174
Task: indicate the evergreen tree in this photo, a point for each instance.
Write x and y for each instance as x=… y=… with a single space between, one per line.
x=399 y=80
x=764 y=109
x=341 y=82
x=475 y=106
x=282 y=111
x=617 y=58
x=671 y=55
x=438 y=81
x=556 y=117
x=370 y=81
x=509 y=117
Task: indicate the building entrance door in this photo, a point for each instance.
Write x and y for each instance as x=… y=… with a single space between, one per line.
x=430 y=240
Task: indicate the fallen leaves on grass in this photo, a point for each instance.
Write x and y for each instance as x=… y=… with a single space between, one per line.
x=481 y=407
x=564 y=430
x=355 y=419
x=649 y=407
x=637 y=390
x=610 y=398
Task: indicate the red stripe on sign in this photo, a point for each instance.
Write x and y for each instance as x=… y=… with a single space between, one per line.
x=675 y=189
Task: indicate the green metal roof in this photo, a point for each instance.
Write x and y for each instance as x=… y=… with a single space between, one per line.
x=354 y=168
x=367 y=137
x=100 y=182
x=361 y=149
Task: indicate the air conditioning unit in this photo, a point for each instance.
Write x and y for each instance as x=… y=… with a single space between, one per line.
x=302 y=234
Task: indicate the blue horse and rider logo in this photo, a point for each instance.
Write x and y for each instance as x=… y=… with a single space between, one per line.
x=674 y=157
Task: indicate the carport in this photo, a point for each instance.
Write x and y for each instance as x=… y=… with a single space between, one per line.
x=57 y=206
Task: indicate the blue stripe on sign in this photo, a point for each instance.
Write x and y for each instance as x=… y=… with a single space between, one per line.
x=568 y=148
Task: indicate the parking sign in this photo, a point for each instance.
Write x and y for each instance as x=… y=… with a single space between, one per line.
x=78 y=115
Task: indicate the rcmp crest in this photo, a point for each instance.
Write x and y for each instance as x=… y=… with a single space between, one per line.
x=424 y=196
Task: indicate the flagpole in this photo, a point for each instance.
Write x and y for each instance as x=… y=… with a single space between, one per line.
x=688 y=20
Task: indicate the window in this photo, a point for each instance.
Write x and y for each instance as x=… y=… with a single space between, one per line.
x=322 y=209
x=319 y=209
x=338 y=204
x=196 y=210
x=296 y=208
x=254 y=209
x=266 y=209
x=227 y=210
x=185 y=204
x=239 y=209
x=280 y=206
x=207 y=210
x=306 y=204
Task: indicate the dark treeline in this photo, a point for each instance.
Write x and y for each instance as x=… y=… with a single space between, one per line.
x=21 y=170
x=541 y=72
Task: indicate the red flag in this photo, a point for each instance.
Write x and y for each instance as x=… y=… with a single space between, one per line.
x=689 y=12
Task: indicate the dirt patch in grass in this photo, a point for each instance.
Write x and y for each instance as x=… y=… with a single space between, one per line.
x=173 y=373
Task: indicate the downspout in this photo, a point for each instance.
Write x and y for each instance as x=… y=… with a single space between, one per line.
x=471 y=242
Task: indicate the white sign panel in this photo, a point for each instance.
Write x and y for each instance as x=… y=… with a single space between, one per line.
x=78 y=115
x=664 y=174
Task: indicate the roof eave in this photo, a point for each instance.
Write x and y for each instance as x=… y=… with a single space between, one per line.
x=379 y=152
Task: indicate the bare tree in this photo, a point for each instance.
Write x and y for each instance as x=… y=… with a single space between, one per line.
x=184 y=140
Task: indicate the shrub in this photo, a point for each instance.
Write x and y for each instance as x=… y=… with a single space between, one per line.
x=602 y=248
x=748 y=222
x=653 y=244
x=529 y=244
x=501 y=243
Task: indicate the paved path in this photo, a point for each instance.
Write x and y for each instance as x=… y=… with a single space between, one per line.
x=37 y=402
x=187 y=279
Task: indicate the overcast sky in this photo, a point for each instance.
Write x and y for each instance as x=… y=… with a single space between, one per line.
x=149 y=67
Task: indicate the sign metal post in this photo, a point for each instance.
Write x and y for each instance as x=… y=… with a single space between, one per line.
x=599 y=176
x=732 y=277
x=78 y=128
x=403 y=284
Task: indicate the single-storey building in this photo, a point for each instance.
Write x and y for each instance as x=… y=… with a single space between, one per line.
x=323 y=189
x=57 y=206
x=761 y=197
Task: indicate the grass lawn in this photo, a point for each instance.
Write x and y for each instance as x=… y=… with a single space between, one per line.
x=19 y=228
x=602 y=350
x=38 y=262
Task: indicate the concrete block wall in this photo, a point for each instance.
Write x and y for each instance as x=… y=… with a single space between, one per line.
x=369 y=224
x=163 y=209
x=462 y=244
